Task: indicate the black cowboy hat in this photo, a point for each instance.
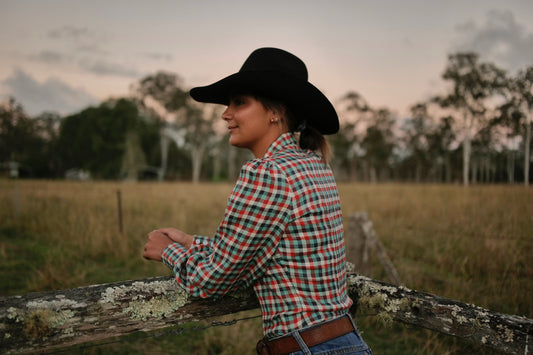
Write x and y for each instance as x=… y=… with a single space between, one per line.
x=276 y=74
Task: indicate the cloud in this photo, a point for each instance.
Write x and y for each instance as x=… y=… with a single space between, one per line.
x=52 y=95
x=70 y=32
x=104 y=67
x=81 y=39
x=165 y=57
x=93 y=64
x=500 y=39
x=50 y=57
x=81 y=50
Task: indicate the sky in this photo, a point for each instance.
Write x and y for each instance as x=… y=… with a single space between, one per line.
x=64 y=55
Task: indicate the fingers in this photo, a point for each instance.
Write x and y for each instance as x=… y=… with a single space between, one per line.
x=157 y=233
x=159 y=239
x=172 y=233
x=177 y=236
x=156 y=243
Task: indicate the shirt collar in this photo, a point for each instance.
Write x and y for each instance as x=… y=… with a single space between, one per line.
x=284 y=141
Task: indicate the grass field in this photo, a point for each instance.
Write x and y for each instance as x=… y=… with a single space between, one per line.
x=471 y=244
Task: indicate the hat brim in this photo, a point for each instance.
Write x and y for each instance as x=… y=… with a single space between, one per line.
x=303 y=98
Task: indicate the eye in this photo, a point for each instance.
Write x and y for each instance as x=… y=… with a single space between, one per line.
x=238 y=100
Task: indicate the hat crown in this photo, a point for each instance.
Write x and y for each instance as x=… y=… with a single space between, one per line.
x=275 y=74
x=275 y=60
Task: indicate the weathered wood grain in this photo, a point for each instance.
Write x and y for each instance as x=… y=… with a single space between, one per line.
x=49 y=320
x=507 y=333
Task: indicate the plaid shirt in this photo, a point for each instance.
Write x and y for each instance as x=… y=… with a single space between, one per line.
x=282 y=233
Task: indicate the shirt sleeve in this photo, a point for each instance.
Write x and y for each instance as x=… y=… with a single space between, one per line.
x=257 y=213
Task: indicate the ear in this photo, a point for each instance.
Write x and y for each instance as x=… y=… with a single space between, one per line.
x=278 y=113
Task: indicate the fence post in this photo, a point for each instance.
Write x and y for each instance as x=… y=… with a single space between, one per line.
x=16 y=199
x=357 y=246
x=361 y=240
x=119 y=207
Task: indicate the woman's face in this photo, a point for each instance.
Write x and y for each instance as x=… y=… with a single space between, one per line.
x=251 y=125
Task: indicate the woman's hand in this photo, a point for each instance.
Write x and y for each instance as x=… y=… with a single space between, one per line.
x=159 y=239
x=178 y=236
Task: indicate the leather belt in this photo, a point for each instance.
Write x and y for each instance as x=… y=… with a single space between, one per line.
x=312 y=336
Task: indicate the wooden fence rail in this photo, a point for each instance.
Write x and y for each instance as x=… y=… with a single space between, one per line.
x=49 y=320
x=45 y=321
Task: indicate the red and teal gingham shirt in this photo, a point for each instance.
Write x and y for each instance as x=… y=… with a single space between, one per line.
x=282 y=233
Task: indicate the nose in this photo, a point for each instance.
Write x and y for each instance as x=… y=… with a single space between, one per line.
x=226 y=115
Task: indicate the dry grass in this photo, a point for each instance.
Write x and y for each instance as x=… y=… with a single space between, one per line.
x=467 y=244
x=75 y=225
x=462 y=243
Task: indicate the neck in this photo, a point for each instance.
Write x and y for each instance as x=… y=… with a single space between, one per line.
x=260 y=149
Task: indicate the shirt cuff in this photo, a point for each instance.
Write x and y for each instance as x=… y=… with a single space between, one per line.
x=172 y=253
x=200 y=240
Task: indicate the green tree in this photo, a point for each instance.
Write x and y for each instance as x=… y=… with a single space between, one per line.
x=164 y=89
x=15 y=130
x=164 y=93
x=355 y=114
x=378 y=145
x=417 y=128
x=440 y=143
x=484 y=144
x=46 y=162
x=134 y=159
x=474 y=83
x=24 y=141
x=517 y=112
x=96 y=139
x=199 y=133
x=344 y=145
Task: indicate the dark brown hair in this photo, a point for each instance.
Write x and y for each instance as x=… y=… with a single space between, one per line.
x=309 y=137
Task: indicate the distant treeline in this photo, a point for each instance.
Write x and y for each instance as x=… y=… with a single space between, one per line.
x=478 y=131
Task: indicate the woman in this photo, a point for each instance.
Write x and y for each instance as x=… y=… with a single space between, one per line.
x=282 y=231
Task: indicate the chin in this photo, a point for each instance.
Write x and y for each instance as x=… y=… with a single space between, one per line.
x=234 y=143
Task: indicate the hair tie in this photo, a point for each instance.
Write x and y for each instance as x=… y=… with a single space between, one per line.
x=302 y=126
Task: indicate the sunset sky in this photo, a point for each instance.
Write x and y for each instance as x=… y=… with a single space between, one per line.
x=63 y=55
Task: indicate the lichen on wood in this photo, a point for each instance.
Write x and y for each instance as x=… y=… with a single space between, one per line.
x=146 y=300
x=49 y=320
x=506 y=333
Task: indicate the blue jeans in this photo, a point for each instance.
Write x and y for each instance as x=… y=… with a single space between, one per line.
x=348 y=344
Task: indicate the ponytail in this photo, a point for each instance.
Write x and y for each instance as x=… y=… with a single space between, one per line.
x=312 y=139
